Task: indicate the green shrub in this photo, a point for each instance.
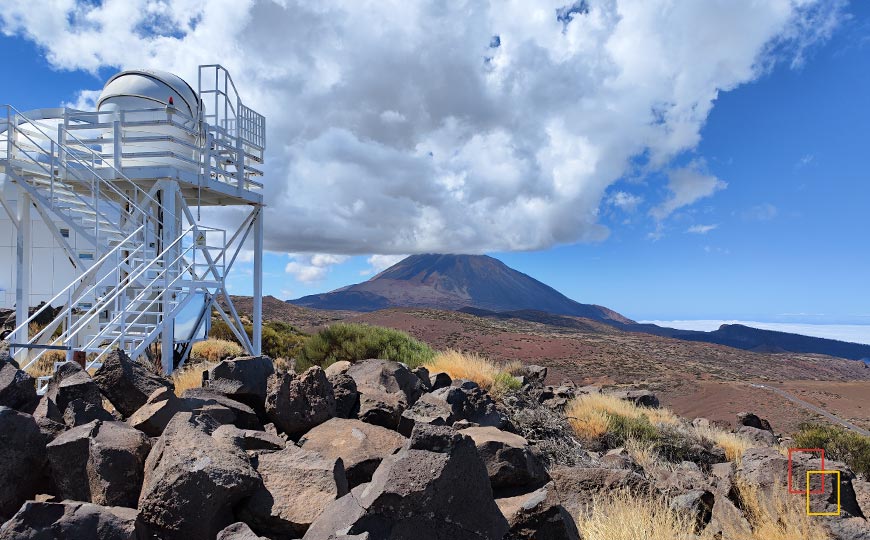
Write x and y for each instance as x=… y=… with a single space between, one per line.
x=504 y=382
x=354 y=342
x=622 y=428
x=839 y=444
x=279 y=340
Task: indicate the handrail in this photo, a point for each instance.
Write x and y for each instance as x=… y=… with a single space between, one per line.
x=139 y=297
x=49 y=171
x=81 y=277
x=133 y=277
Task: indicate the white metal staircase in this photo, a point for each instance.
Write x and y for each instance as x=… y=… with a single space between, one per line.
x=130 y=281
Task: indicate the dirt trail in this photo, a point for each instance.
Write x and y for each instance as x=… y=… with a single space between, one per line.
x=813 y=408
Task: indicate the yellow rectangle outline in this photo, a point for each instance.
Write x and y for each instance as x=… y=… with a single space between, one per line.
x=837 y=513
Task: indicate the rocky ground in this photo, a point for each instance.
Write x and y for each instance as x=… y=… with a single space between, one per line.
x=369 y=450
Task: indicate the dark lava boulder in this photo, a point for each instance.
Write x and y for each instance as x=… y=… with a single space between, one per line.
x=127 y=383
x=73 y=520
x=386 y=389
x=243 y=379
x=297 y=403
x=22 y=460
x=298 y=485
x=360 y=446
x=100 y=462
x=17 y=388
x=192 y=483
x=435 y=487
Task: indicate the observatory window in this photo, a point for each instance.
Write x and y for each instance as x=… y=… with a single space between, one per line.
x=64 y=233
x=85 y=305
x=86 y=256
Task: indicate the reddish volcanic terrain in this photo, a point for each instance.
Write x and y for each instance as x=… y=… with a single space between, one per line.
x=694 y=378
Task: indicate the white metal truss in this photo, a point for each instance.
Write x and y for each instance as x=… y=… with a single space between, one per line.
x=125 y=182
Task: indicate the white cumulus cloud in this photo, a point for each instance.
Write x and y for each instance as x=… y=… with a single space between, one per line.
x=687 y=185
x=408 y=127
x=310 y=268
x=702 y=229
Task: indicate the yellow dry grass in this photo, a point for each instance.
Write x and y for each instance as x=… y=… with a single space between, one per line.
x=590 y=414
x=474 y=367
x=620 y=515
x=189 y=377
x=215 y=350
x=733 y=444
x=645 y=454
x=777 y=517
x=45 y=364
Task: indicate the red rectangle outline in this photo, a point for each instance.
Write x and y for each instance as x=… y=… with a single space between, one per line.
x=822 y=468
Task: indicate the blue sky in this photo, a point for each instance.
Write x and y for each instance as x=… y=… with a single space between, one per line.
x=786 y=240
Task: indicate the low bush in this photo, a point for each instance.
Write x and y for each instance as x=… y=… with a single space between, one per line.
x=352 y=342
x=474 y=367
x=612 y=421
x=215 y=350
x=733 y=444
x=280 y=340
x=621 y=515
x=774 y=516
x=189 y=377
x=839 y=444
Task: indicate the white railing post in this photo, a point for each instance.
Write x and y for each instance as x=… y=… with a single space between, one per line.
x=117 y=147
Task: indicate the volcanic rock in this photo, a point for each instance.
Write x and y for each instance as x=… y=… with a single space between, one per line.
x=242 y=379
x=17 y=388
x=73 y=520
x=127 y=383
x=346 y=395
x=22 y=447
x=72 y=398
x=297 y=403
x=754 y=421
x=248 y=439
x=100 y=462
x=698 y=504
x=192 y=483
x=509 y=460
x=239 y=531
x=386 y=389
x=538 y=516
x=297 y=486
x=435 y=487
x=360 y=446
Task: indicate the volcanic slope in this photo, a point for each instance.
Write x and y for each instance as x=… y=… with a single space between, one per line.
x=454 y=282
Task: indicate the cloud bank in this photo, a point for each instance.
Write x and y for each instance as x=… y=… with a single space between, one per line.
x=407 y=127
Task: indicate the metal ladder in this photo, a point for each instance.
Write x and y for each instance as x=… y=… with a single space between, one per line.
x=129 y=282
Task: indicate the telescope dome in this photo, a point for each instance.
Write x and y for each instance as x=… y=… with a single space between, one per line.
x=148 y=89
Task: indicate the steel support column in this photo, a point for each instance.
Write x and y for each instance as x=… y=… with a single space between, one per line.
x=168 y=194
x=257 y=306
x=22 y=275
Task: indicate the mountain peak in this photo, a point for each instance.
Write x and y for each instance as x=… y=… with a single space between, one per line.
x=452 y=281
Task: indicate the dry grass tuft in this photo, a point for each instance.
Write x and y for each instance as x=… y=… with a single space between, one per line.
x=644 y=453
x=778 y=517
x=620 y=515
x=215 y=350
x=587 y=423
x=45 y=364
x=590 y=415
x=189 y=377
x=733 y=444
x=474 y=367
x=283 y=364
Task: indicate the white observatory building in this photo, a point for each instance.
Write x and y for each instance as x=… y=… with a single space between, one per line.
x=101 y=217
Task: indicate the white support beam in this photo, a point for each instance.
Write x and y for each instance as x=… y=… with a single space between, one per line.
x=13 y=215
x=78 y=265
x=168 y=195
x=258 y=283
x=23 y=246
